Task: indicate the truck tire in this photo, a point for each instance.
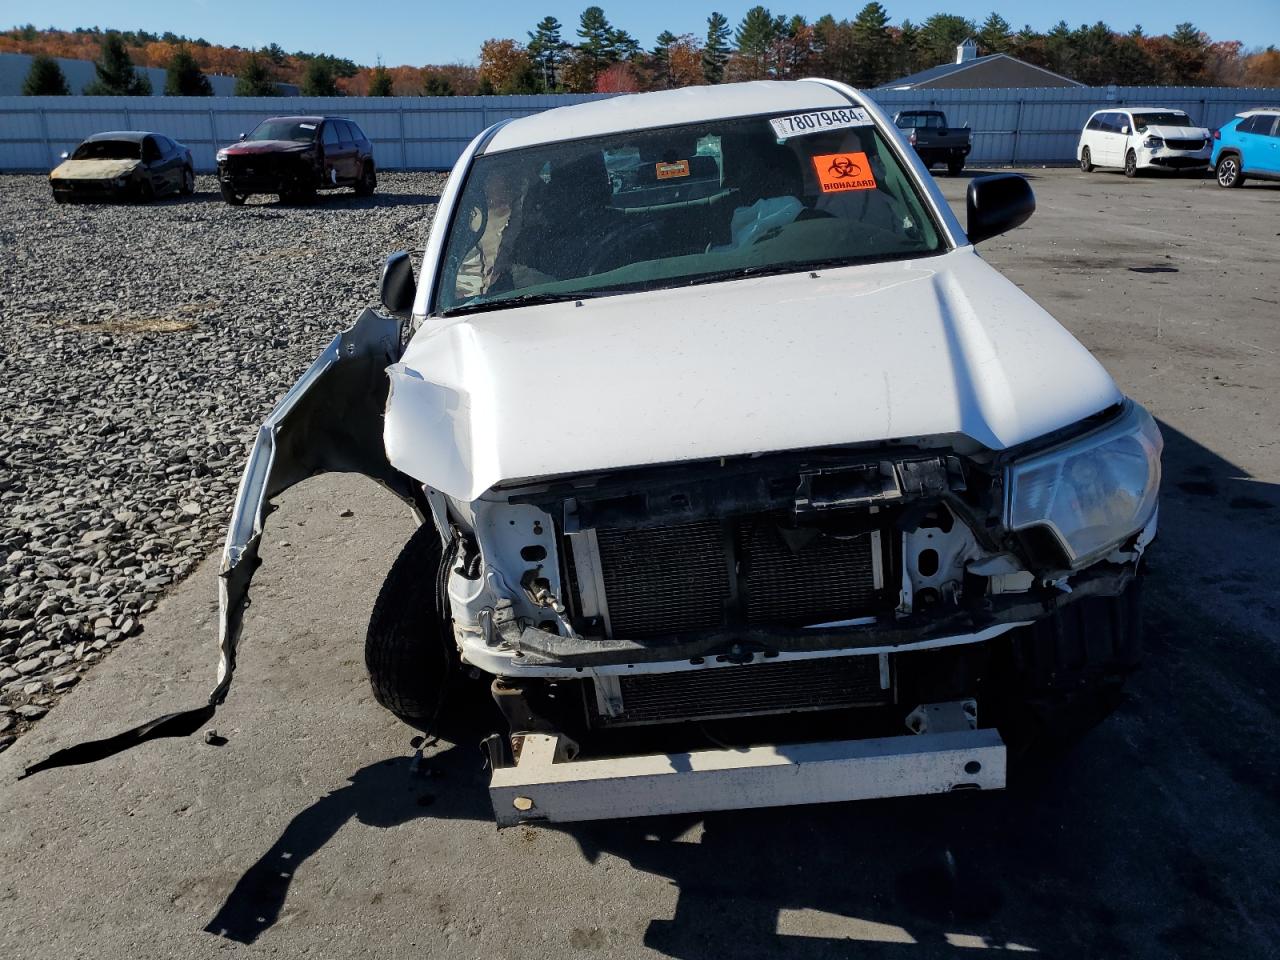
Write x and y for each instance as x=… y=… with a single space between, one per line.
x=368 y=181
x=1069 y=670
x=408 y=651
x=955 y=165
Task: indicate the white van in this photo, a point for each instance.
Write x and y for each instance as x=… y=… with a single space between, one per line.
x=1143 y=138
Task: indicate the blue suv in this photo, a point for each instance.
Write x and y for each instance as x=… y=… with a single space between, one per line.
x=1248 y=146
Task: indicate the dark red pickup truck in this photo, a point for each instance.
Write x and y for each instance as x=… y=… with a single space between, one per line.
x=296 y=156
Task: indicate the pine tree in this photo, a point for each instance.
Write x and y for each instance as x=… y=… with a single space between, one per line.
x=995 y=35
x=623 y=45
x=755 y=37
x=116 y=75
x=437 y=85
x=45 y=78
x=872 y=45
x=318 y=79
x=182 y=77
x=380 y=82
x=254 y=79
x=941 y=34
x=546 y=48
x=715 y=54
x=597 y=37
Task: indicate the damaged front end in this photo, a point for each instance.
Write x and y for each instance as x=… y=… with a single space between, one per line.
x=859 y=592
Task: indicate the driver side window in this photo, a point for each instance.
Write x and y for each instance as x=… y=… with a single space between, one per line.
x=330 y=134
x=150 y=151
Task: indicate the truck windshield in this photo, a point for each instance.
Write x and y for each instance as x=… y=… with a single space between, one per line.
x=679 y=205
x=299 y=131
x=1168 y=118
x=108 y=150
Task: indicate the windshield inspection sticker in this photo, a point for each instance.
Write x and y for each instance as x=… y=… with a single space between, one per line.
x=799 y=124
x=678 y=168
x=307 y=126
x=844 y=171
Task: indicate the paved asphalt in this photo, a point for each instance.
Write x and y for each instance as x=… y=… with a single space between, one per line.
x=307 y=834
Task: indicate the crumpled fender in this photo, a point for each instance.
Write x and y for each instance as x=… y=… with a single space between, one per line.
x=330 y=421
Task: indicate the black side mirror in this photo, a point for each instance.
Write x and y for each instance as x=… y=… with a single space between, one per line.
x=998 y=203
x=398 y=286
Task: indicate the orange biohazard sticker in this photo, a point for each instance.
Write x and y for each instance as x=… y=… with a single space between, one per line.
x=844 y=171
x=678 y=168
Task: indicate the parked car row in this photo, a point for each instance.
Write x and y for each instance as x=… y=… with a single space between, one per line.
x=292 y=157
x=1139 y=139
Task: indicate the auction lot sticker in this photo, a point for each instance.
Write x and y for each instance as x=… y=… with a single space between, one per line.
x=844 y=171
x=816 y=121
x=676 y=168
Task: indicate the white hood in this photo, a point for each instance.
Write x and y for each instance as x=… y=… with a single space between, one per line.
x=937 y=346
x=1176 y=133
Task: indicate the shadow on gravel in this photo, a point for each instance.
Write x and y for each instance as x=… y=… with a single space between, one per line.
x=1153 y=837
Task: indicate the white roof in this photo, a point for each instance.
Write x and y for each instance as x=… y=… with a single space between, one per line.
x=1128 y=109
x=664 y=108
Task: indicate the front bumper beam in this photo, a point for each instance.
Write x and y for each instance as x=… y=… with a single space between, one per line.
x=542 y=788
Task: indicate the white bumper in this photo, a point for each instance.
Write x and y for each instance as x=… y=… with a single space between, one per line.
x=541 y=788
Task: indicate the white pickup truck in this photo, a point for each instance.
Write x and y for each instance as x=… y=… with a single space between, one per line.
x=742 y=479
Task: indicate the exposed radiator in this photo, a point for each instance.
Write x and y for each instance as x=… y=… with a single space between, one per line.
x=750 y=690
x=745 y=571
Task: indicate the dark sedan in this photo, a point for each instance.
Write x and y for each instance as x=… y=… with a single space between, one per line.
x=296 y=156
x=124 y=164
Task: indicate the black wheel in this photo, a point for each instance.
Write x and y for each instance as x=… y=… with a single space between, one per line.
x=233 y=198
x=1067 y=672
x=1228 y=171
x=955 y=165
x=188 y=181
x=1130 y=164
x=1086 y=160
x=368 y=181
x=59 y=198
x=408 y=651
x=145 y=191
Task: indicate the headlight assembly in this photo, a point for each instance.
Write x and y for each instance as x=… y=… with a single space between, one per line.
x=1091 y=493
x=1153 y=143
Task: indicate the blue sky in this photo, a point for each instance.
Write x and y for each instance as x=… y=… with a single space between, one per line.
x=445 y=31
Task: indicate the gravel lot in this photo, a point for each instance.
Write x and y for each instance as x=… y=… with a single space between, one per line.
x=142 y=346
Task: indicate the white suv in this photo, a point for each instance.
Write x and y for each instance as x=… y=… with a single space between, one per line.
x=1143 y=138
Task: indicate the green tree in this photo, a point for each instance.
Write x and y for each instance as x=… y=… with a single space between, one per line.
x=940 y=35
x=45 y=78
x=318 y=79
x=546 y=49
x=437 y=85
x=872 y=45
x=597 y=37
x=995 y=35
x=116 y=76
x=757 y=31
x=182 y=77
x=380 y=82
x=715 y=53
x=624 y=45
x=907 y=49
x=254 y=78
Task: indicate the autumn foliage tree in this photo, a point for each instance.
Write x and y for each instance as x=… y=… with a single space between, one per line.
x=506 y=67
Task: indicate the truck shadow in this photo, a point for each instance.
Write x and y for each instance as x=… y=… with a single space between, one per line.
x=1154 y=836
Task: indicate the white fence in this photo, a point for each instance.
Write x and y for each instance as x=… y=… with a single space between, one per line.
x=1015 y=126
x=408 y=133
